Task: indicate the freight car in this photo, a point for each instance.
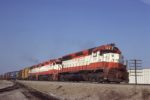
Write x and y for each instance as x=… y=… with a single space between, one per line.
x=11 y=75
x=101 y=64
x=1 y=77
x=24 y=74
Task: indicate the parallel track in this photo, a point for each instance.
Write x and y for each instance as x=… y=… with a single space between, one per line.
x=29 y=93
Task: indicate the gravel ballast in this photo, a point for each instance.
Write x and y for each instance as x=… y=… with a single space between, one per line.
x=90 y=91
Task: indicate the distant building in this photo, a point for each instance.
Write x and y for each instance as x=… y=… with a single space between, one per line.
x=143 y=76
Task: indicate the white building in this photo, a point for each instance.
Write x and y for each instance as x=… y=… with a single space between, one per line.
x=143 y=76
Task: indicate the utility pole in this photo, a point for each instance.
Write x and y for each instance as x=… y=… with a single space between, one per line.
x=134 y=66
x=135 y=61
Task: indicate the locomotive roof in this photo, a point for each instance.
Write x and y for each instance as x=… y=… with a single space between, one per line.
x=108 y=47
x=45 y=63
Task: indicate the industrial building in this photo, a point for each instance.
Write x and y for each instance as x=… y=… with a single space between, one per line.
x=143 y=76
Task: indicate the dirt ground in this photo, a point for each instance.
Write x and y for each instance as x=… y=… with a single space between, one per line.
x=15 y=94
x=91 y=91
x=12 y=95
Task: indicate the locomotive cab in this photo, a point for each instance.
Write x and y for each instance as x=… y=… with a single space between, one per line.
x=111 y=60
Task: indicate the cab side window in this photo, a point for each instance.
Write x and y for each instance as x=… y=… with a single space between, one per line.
x=94 y=54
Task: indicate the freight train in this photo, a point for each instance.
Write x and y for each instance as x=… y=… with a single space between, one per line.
x=100 y=64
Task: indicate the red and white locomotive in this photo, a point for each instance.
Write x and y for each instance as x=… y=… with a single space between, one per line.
x=101 y=64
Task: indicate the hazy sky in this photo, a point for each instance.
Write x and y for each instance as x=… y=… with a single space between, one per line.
x=33 y=31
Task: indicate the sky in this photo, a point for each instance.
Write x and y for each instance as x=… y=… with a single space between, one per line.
x=32 y=31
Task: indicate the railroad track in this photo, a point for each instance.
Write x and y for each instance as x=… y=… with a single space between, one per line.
x=87 y=82
x=29 y=93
